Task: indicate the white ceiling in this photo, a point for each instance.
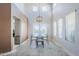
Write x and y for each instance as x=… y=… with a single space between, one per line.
x=62 y=9
x=31 y=14
x=59 y=10
x=20 y=6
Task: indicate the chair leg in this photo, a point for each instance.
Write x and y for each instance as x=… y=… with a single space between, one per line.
x=36 y=44
x=30 y=42
x=43 y=44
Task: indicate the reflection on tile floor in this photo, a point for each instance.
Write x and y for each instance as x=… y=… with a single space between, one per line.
x=48 y=50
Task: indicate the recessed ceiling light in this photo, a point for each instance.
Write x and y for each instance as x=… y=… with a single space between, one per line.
x=35 y=9
x=54 y=5
x=44 y=8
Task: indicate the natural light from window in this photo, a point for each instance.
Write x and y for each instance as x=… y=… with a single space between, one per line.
x=55 y=28
x=60 y=24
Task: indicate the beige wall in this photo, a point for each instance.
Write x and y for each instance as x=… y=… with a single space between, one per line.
x=24 y=22
x=5 y=27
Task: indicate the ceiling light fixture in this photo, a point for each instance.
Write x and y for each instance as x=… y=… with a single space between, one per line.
x=35 y=9
x=54 y=5
x=44 y=8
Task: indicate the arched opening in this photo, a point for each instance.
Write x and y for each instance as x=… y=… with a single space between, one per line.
x=40 y=30
x=39 y=26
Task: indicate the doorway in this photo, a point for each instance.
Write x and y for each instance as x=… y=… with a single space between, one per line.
x=16 y=31
x=39 y=32
x=39 y=26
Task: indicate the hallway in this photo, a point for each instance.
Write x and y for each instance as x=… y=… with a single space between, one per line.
x=49 y=50
x=25 y=25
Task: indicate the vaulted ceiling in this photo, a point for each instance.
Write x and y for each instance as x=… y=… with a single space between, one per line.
x=35 y=9
x=62 y=9
x=32 y=10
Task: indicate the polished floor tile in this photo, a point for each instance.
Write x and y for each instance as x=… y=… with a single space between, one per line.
x=49 y=50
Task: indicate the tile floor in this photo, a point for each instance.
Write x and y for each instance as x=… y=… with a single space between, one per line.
x=49 y=50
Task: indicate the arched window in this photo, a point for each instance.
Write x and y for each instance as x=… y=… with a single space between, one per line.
x=39 y=26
